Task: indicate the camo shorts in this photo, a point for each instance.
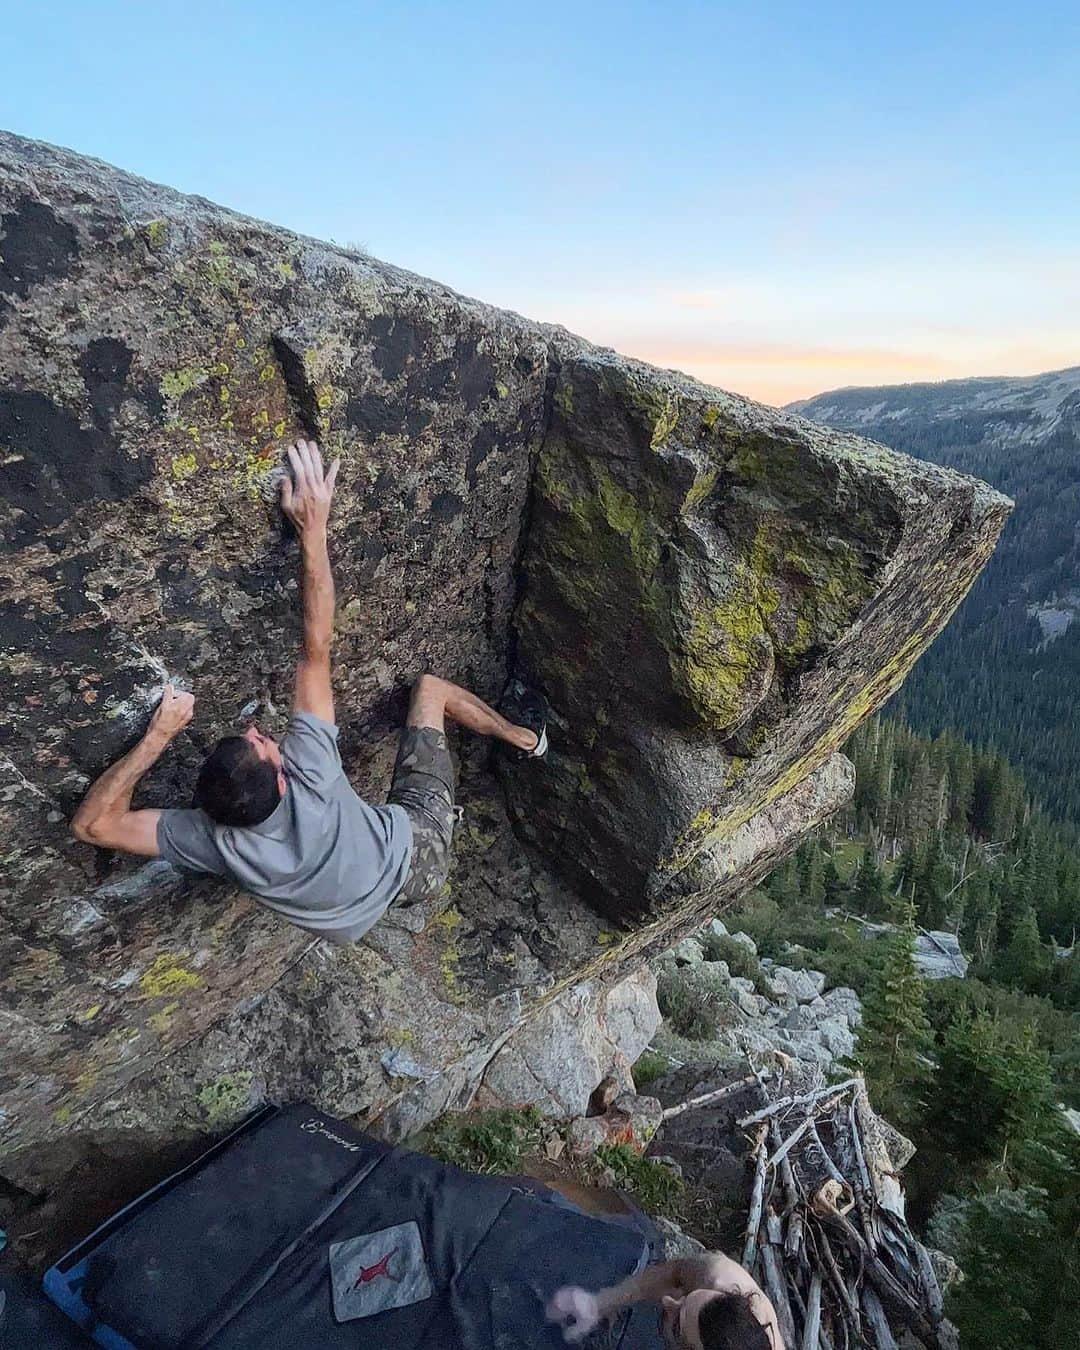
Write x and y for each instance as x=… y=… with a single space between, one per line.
x=424 y=785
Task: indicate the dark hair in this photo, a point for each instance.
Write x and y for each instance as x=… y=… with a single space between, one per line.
x=235 y=786
x=728 y=1323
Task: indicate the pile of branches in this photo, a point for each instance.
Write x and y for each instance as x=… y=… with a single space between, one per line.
x=826 y=1236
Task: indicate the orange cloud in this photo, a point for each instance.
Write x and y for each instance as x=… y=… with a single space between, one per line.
x=791 y=356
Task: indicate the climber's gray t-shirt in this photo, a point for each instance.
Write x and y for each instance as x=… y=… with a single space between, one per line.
x=323 y=859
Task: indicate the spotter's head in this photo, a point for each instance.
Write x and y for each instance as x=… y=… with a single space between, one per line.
x=706 y=1319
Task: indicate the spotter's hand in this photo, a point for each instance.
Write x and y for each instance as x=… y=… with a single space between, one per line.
x=576 y=1311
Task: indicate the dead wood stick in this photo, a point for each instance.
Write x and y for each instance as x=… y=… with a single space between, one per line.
x=790 y=1103
x=812 y=1324
x=851 y=1307
x=929 y=1279
x=757 y=1199
x=775 y=1286
x=807 y=1125
x=708 y=1098
x=867 y=1214
x=794 y=1240
x=875 y=1315
x=830 y=1166
x=856 y=1139
x=787 y=1176
x=793 y=1243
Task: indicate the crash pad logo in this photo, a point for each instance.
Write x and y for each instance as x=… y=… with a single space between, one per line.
x=379 y=1271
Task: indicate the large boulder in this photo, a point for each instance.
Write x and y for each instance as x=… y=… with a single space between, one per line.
x=795 y=986
x=559 y=1058
x=715 y=595
x=712 y=593
x=938 y=956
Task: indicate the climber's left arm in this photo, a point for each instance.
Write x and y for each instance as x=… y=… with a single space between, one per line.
x=105 y=817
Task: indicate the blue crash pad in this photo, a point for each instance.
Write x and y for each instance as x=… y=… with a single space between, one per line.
x=299 y=1232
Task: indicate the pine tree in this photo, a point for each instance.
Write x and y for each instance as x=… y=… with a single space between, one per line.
x=783 y=884
x=1024 y=963
x=978 y=936
x=834 y=887
x=934 y=884
x=993 y=1092
x=868 y=887
x=813 y=884
x=895 y=1033
x=906 y=871
x=961 y=785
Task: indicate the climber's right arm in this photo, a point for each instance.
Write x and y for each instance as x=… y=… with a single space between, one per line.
x=305 y=499
x=105 y=818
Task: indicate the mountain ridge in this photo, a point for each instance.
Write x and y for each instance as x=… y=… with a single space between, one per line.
x=1004 y=670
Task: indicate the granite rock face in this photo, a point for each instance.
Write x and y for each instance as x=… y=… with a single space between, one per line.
x=712 y=593
x=715 y=595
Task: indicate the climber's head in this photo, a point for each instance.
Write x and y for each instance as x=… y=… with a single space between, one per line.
x=706 y=1319
x=241 y=779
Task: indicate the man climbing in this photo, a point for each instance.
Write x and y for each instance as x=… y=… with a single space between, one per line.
x=706 y=1303
x=281 y=818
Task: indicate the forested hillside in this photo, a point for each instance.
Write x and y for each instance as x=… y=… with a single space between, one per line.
x=1006 y=669
x=980 y=1071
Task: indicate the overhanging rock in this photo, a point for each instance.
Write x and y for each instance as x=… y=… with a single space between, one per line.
x=712 y=593
x=716 y=595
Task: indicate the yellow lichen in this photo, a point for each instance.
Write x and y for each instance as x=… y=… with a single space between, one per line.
x=183 y=466
x=226 y=1098
x=665 y=424
x=177 y=383
x=703 y=484
x=165 y=977
x=162 y=1020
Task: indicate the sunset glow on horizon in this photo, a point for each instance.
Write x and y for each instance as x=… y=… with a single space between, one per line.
x=777 y=199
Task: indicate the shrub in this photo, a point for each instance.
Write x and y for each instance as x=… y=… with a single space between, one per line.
x=649 y=1067
x=741 y=961
x=484 y=1141
x=690 y=1009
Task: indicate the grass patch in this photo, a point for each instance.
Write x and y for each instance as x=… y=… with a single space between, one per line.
x=649 y=1067
x=655 y=1187
x=484 y=1141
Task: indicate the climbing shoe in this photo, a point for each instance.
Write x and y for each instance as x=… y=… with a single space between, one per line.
x=526 y=707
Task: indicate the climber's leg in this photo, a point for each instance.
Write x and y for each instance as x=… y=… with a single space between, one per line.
x=433 y=700
x=424 y=785
x=423 y=780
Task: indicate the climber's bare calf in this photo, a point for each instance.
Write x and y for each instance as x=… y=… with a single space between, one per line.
x=424 y=775
x=434 y=699
x=282 y=819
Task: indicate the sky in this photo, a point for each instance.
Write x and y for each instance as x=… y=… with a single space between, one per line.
x=778 y=198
